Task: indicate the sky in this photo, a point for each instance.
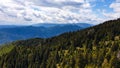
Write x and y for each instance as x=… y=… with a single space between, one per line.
x=27 y=12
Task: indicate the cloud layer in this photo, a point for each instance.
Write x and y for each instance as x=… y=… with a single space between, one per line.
x=56 y=11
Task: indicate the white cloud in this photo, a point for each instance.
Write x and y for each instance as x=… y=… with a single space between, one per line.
x=117 y=0
x=116 y=10
x=115 y=6
x=57 y=1
x=51 y=11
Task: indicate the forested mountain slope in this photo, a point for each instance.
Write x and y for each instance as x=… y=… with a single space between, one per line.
x=94 y=47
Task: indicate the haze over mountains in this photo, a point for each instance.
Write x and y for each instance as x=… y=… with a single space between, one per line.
x=59 y=34
x=93 y=47
x=10 y=33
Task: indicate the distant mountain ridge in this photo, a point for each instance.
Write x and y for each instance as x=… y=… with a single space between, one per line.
x=53 y=24
x=12 y=33
x=7 y=26
x=94 y=47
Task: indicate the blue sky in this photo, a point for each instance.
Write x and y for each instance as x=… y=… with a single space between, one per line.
x=26 y=12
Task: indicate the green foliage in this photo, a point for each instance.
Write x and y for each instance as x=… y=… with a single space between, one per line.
x=94 y=47
x=6 y=49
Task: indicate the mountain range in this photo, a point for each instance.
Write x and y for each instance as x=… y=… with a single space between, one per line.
x=93 y=47
x=9 y=33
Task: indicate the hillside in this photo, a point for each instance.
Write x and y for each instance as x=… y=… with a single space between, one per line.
x=12 y=33
x=94 y=47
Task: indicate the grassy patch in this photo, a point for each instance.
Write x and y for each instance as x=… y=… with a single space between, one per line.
x=6 y=49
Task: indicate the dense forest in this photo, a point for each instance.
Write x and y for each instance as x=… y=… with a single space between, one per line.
x=94 y=47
